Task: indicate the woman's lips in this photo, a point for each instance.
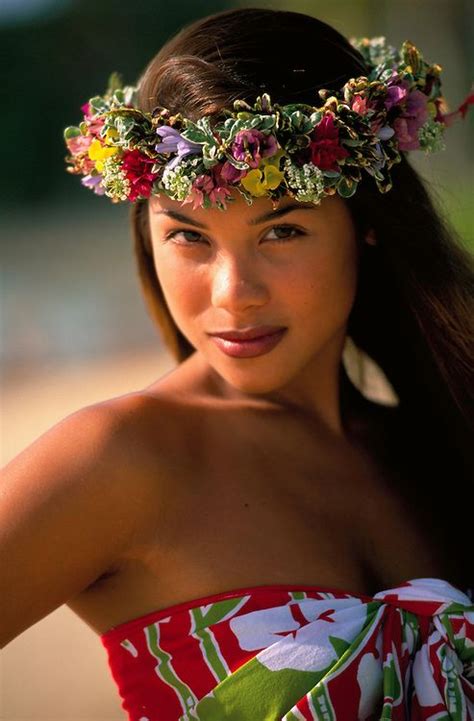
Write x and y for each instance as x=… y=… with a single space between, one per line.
x=249 y=348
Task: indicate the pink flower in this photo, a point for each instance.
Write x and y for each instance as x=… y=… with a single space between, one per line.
x=93 y=124
x=211 y=186
x=325 y=148
x=79 y=144
x=359 y=105
x=252 y=145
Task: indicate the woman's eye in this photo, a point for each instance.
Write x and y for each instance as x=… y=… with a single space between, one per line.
x=174 y=233
x=287 y=229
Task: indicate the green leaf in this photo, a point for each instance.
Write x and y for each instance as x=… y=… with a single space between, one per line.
x=239 y=164
x=351 y=143
x=296 y=107
x=130 y=95
x=243 y=115
x=98 y=104
x=256 y=121
x=267 y=122
x=346 y=188
x=118 y=97
x=195 y=135
x=209 y=153
x=124 y=124
x=263 y=123
x=297 y=117
x=315 y=117
x=205 y=125
x=71 y=132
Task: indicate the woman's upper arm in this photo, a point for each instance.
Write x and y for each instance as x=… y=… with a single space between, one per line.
x=64 y=517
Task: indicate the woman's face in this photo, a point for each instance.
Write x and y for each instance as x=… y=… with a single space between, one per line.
x=227 y=270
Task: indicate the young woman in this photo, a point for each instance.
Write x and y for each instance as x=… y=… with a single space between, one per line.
x=250 y=536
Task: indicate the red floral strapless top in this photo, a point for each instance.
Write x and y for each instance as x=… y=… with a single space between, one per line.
x=298 y=652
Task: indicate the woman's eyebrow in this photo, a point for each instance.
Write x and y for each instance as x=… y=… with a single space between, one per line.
x=255 y=221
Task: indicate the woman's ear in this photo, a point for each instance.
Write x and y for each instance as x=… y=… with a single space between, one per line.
x=370 y=237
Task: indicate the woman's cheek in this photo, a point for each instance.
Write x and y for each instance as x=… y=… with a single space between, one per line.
x=326 y=290
x=184 y=291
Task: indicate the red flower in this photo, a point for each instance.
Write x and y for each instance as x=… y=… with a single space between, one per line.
x=137 y=170
x=325 y=148
x=449 y=118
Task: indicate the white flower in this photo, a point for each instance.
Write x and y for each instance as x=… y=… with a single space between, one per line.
x=306 y=182
x=430 y=136
x=115 y=182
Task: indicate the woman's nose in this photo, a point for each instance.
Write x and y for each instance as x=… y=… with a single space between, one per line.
x=236 y=285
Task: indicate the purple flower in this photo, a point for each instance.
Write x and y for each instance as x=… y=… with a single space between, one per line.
x=93 y=181
x=378 y=165
x=397 y=90
x=416 y=105
x=395 y=95
x=230 y=173
x=250 y=146
x=173 y=142
x=385 y=133
x=410 y=121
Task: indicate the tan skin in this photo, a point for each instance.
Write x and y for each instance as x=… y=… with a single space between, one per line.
x=244 y=473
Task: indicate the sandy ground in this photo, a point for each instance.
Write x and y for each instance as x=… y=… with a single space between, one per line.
x=33 y=402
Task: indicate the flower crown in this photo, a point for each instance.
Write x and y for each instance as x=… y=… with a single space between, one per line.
x=266 y=149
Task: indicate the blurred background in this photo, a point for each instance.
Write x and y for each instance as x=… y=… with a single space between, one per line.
x=74 y=328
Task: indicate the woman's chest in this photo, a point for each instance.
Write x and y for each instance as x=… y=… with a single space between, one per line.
x=248 y=514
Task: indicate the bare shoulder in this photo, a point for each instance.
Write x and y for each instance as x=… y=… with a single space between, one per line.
x=71 y=504
x=148 y=428
x=150 y=447
x=138 y=434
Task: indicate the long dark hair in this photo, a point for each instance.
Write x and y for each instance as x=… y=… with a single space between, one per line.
x=414 y=308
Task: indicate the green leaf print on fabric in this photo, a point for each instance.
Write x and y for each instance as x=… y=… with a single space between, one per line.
x=253 y=692
x=267 y=686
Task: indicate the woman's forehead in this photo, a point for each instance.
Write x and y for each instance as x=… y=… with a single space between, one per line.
x=239 y=208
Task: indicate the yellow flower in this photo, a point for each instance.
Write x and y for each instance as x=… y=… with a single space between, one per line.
x=111 y=133
x=266 y=177
x=99 y=153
